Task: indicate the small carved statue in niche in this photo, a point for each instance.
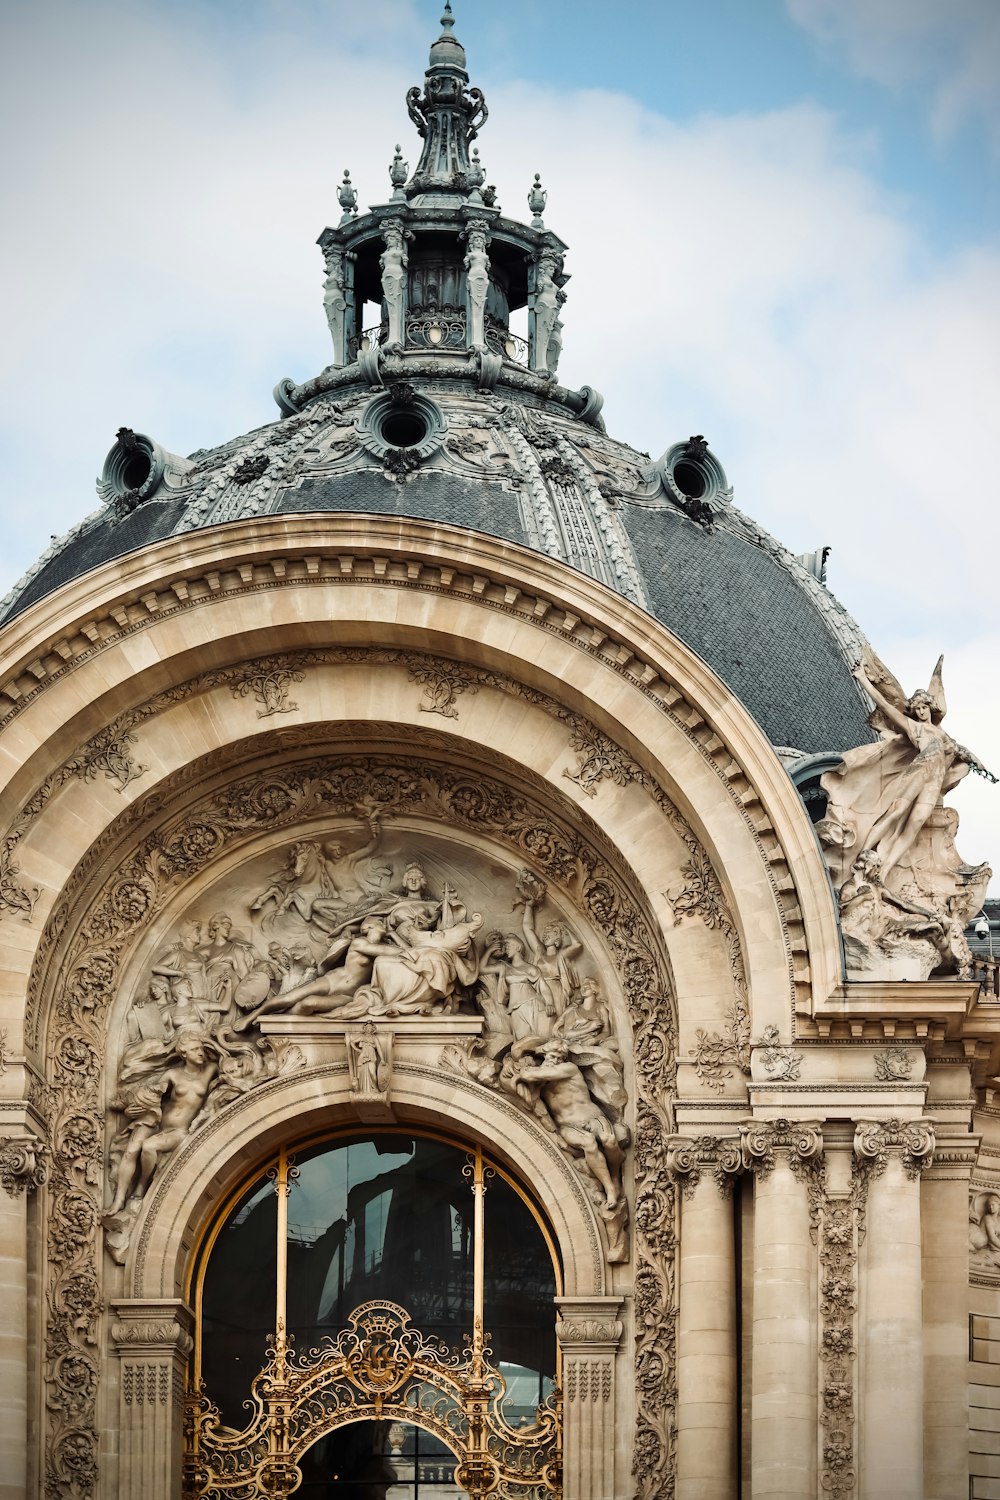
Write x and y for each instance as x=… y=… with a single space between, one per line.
x=889 y=839
x=369 y=1062
x=984 y=1225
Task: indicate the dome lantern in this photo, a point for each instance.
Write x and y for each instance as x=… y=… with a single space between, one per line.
x=441 y=266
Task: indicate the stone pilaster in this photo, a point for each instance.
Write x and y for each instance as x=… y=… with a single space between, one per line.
x=22 y=1170
x=589 y=1331
x=785 y=1158
x=707 y=1395
x=152 y=1339
x=944 y=1227
x=894 y=1153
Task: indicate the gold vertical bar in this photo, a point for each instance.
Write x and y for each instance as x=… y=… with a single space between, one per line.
x=478 y=1253
x=280 y=1291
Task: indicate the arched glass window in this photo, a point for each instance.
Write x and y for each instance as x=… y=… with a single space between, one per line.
x=358 y=1221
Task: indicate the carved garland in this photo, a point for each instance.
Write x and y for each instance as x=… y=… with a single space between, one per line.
x=91 y=957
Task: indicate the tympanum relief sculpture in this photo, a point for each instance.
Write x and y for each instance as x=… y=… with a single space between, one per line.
x=905 y=893
x=366 y=926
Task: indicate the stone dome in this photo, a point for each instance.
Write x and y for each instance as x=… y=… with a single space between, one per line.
x=440 y=412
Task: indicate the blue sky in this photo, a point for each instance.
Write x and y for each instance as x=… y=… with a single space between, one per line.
x=783 y=218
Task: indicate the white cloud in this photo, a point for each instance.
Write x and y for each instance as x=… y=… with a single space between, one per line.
x=744 y=276
x=949 y=48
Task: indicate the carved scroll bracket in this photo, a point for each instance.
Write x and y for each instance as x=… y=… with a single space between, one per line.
x=22 y=1164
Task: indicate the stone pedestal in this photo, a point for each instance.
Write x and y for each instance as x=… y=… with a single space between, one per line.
x=892 y=1356
x=589 y=1331
x=782 y=1156
x=152 y=1339
x=707 y=1395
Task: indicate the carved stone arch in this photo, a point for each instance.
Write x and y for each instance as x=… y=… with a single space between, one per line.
x=201 y=1171
x=125 y=629
x=117 y=883
x=605 y=713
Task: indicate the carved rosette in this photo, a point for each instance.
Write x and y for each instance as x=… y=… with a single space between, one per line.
x=689 y=1158
x=22 y=1164
x=911 y=1140
x=801 y=1144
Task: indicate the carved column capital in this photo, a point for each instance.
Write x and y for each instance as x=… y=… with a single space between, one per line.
x=690 y=1157
x=911 y=1140
x=589 y=1325
x=145 y=1326
x=762 y=1140
x=22 y=1164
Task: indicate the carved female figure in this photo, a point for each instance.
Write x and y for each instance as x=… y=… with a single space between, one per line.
x=883 y=795
x=393 y=264
x=159 y=1107
x=477 y=267
x=984 y=1231
x=546 y=310
x=937 y=765
x=228 y=961
x=335 y=302
x=521 y=988
x=553 y=954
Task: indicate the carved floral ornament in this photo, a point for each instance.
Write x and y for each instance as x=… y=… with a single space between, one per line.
x=345 y=850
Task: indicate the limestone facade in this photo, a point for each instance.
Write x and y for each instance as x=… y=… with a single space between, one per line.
x=365 y=783
x=794 y=1277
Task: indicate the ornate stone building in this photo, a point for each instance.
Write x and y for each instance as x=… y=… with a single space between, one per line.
x=484 y=1007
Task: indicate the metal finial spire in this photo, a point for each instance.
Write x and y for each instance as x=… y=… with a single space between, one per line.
x=348 y=197
x=537 y=198
x=447 y=20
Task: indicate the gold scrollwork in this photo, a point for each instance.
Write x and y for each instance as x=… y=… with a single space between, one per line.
x=379 y=1368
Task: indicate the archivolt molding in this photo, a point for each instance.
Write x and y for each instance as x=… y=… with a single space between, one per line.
x=321 y=1100
x=443 y=681
x=180 y=576
x=139 y=866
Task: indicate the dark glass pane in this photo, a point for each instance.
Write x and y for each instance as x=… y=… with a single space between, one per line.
x=518 y=1309
x=239 y=1300
x=389 y=1217
x=379 y=1461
